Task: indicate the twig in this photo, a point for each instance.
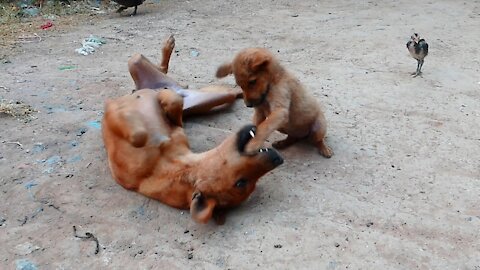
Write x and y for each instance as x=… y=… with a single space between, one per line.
x=17 y=143
x=3 y=87
x=87 y=236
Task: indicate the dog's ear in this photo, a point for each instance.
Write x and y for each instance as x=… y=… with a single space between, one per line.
x=259 y=61
x=201 y=208
x=224 y=70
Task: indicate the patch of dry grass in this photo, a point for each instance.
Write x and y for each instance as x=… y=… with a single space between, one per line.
x=17 y=109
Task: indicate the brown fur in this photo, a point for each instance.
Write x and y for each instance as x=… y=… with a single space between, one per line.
x=280 y=101
x=148 y=151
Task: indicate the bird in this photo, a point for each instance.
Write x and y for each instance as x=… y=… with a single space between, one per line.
x=128 y=3
x=418 y=49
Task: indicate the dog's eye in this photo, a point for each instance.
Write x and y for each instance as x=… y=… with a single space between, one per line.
x=252 y=82
x=241 y=183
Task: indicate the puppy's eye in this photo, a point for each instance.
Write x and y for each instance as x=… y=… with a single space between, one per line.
x=252 y=82
x=241 y=183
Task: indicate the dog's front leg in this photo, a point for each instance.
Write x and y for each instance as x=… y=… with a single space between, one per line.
x=274 y=121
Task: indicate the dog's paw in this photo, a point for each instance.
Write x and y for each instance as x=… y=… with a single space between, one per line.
x=170 y=43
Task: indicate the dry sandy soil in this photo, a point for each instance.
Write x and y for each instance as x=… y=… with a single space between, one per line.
x=401 y=192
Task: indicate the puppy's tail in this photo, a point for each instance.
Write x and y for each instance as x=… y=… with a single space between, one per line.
x=224 y=70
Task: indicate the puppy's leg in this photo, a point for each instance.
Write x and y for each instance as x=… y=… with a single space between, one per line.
x=258 y=117
x=285 y=143
x=172 y=105
x=273 y=122
x=318 y=132
x=166 y=53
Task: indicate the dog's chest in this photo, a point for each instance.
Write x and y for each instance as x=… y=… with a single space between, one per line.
x=264 y=109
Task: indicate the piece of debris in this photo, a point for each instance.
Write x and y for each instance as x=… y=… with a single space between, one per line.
x=17 y=109
x=24 y=264
x=25 y=249
x=277 y=246
x=90 y=44
x=66 y=67
x=190 y=256
x=17 y=143
x=369 y=224
x=337 y=244
x=194 y=53
x=81 y=131
x=46 y=25
x=87 y=236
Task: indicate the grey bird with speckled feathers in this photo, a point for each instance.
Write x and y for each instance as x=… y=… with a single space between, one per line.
x=418 y=49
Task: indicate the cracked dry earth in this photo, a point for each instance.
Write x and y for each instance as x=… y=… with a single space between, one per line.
x=401 y=192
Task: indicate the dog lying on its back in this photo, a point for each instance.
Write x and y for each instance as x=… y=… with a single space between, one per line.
x=280 y=101
x=148 y=152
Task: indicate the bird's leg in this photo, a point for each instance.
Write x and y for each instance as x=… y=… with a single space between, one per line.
x=421 y=65
x=416 y=73
x=135 y=11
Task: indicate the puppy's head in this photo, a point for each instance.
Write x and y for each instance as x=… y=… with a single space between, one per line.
x=254 y=70
x=228 y=175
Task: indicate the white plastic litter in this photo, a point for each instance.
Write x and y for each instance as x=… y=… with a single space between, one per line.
x=89 y=45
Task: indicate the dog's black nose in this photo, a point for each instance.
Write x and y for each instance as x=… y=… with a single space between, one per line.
x=275 y=157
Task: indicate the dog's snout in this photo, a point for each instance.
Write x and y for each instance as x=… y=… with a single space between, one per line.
x=273 y=156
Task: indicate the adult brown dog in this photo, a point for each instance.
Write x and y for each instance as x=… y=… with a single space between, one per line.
x=280 y=101
x=148 y=151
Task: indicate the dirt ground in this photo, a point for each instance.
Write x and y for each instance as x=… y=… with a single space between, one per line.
x=401 y=192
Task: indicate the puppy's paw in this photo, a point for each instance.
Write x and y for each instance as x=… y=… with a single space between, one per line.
x=253 y=146
x=325 y=151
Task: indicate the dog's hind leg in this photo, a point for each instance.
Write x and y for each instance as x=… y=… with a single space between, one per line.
x=147 y=75
x=166 y=53
x=285 y=142
x=208 y=99
x=317 y=135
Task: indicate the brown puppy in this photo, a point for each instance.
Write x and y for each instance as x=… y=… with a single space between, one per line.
x=148 y=152
x=147 y=75
x=280 y=101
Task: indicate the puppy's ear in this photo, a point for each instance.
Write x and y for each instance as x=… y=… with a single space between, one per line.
x=224 y=70
x=259 y=61
x=201 y=208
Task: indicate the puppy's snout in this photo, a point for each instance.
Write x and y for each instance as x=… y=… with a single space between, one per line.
x=273 y=156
